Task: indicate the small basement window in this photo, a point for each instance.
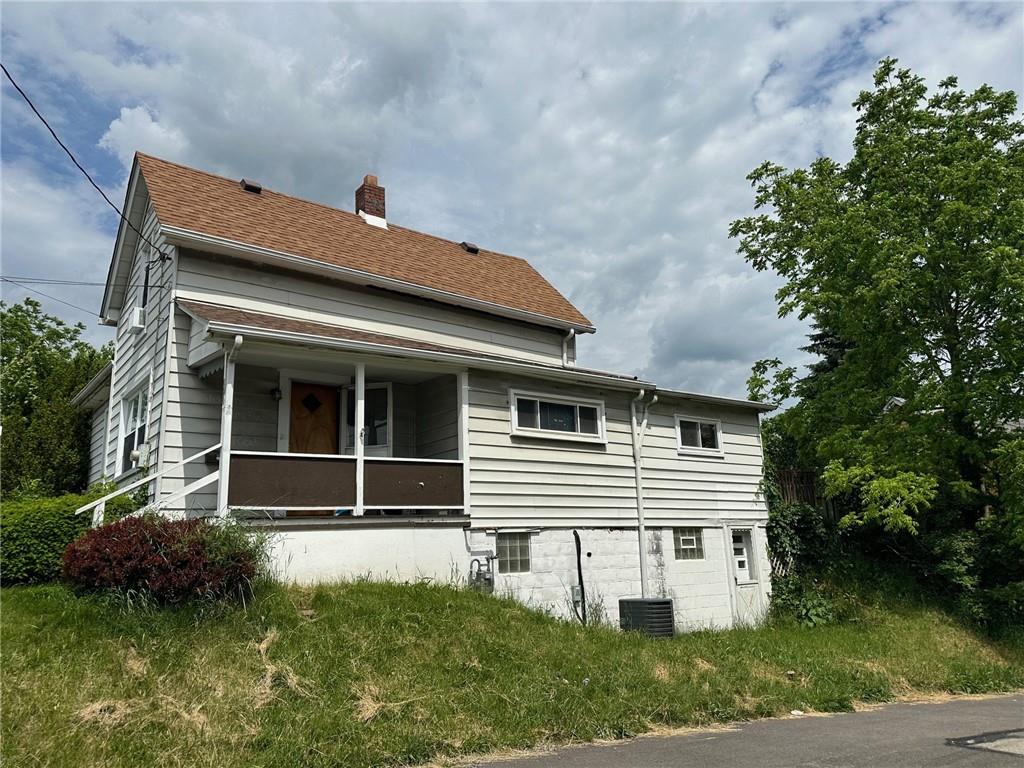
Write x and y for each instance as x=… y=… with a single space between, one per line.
x=689 y=543
x=133 y=426
x=699 y=435
x=513 y=552
x=563 y=418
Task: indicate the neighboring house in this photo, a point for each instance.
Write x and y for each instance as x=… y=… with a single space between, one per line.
x=390 y=403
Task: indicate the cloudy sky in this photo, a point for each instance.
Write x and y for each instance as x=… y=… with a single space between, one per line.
x=608 y=144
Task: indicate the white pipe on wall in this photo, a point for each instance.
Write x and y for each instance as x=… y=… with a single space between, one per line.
x=360 y=429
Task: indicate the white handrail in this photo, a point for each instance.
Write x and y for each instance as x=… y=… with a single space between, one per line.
x=132 y=486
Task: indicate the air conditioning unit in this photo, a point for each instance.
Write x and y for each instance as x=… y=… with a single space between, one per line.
x=137 y=320
x=651 y=615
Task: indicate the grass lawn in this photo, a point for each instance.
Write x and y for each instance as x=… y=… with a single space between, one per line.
x=378 y=674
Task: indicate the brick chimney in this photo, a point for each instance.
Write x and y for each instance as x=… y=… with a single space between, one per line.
x=370 y=198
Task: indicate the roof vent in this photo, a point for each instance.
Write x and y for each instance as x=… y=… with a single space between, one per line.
x=470 y=247
x=251 y=186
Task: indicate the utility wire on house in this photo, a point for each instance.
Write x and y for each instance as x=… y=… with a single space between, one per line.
x=54 y=281
x=163 y=256
x=46 y=295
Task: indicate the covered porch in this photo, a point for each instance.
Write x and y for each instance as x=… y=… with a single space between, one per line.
x=320 y=433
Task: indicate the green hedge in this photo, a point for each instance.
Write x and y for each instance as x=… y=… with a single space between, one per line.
x=35 y=532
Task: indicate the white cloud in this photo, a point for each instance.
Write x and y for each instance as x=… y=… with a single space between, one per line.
x=55 y=231
x=606 y=143
x=138 y=129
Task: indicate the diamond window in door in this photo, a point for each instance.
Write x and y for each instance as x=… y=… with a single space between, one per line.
x=312 y=402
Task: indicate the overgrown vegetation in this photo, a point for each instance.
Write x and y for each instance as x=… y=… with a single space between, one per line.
x=34 y=532
x=371 y=674
x=43 y=363
x=150 y=557
x=909 y=262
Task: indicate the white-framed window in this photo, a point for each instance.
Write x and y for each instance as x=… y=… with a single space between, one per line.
x=697 y=435
x=689 y=543
x=741 y=556
x=513 y=552
x=134 y=414
x=554 y=416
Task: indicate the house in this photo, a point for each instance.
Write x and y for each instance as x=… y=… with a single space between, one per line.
x=386 y=402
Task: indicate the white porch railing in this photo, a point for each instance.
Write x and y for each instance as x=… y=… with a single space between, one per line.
x=99 y=505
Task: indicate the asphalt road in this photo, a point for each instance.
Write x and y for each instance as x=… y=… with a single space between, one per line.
x=961 y=732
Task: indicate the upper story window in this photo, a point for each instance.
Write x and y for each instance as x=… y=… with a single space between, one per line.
x=134 y=414
x=557 y=417
x=699 y=435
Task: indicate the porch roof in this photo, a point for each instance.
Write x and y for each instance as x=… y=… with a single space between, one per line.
x=229 y=321
x=96 y=390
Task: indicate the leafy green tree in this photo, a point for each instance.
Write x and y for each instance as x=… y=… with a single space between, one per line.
x=910 y=259
x=43 y=363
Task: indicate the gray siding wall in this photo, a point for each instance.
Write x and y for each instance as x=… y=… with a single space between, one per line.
x=254 y=421
x=139 y=357
x=97 y=434
x=437 y=418
x=529 y=482
x=193 y=423
x=247 y=286
x=683 y=486
x=517 y=481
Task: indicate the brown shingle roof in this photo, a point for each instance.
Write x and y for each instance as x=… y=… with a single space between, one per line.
x=243 y=318
x=212 y=205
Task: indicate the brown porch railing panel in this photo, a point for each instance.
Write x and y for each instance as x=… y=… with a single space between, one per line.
x=274 y=480
x=412 y=484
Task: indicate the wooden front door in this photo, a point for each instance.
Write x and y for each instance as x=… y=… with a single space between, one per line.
x=315 y=410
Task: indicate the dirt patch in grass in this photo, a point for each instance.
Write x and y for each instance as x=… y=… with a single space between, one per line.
x=274 y=675
x=107 y=713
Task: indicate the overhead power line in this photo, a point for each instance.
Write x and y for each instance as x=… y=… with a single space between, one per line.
x=46 y=295
x=163 y=256
x=54 y=281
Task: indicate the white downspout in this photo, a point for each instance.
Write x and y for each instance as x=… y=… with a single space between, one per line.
x=569 y=336
x=226 y=410
x=360 y=428
x=638 y=437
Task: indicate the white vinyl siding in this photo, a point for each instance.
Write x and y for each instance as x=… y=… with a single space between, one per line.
x=437 y=418
x=140 y=356
x=220 y=280
x=97 y=434
x=699 y=486
x=193 y=422
x=518 y=481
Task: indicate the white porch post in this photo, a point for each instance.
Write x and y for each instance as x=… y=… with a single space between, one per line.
x=463 y=383
x=226 y=409
x=358 y=437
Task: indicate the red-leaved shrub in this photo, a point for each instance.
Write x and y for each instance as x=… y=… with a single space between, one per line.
x=170 y=560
